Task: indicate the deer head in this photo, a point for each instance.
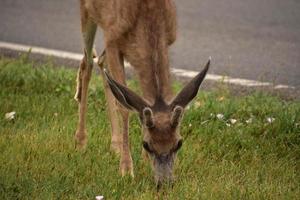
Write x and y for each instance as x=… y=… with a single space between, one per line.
x=160 y=122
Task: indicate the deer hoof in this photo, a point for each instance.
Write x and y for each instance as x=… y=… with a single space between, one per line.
x=80 y=140
x=126 y=168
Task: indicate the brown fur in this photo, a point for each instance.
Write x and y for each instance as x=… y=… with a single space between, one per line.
x=139 y=31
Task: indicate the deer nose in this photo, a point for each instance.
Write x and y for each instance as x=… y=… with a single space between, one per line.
x=163 y=158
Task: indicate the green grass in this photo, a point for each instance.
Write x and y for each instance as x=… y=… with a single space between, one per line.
x=257 y=160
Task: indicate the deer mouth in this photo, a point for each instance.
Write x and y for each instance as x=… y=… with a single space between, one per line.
x=163 y=168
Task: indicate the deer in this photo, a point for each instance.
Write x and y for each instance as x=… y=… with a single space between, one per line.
x=140 y=32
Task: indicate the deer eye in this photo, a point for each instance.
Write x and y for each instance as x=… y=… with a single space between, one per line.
x=178 y=146
x=147 y=147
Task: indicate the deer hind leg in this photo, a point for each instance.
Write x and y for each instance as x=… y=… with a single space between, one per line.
x=77 y=95
x=83 y=77
x=119 y=116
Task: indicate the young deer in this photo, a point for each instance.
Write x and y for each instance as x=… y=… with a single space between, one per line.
x=139 y=31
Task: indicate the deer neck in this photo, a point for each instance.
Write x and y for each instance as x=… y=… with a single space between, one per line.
x=154 y=76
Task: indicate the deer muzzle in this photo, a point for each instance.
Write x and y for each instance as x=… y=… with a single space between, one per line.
x=163 y=168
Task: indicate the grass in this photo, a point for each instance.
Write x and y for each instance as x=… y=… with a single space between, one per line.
x=219 y=160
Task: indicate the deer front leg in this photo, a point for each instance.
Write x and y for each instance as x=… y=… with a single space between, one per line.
x=116 y=136
x=116 y=68
x=126 y=165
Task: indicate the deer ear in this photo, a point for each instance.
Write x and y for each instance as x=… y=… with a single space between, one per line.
x=125 y=96
x=191 y=89
x=148 y=117
x=176 y=116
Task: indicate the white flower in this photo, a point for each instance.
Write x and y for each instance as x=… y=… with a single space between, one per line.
x=270 y=120
x=221 y=98
x=249 y=121
x=99 y=197
x=220 y=116
x=10 y=116
x=227 y=124
x=233 y=121
x=190 y=125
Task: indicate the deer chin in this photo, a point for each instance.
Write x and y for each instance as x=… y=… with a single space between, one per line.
x=162 y=166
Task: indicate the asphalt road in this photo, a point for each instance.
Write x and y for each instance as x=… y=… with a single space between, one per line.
x=257 y=39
